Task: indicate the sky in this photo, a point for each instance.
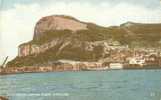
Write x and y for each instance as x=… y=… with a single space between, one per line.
x=18 y=17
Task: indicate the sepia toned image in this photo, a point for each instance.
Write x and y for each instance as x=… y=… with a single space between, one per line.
x=80 y=50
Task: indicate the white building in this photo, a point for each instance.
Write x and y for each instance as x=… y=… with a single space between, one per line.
x=136 y=61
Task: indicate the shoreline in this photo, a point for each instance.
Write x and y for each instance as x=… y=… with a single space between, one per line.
x=44 y=69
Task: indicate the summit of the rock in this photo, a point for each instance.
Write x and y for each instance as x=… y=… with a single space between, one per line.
x=57 y=22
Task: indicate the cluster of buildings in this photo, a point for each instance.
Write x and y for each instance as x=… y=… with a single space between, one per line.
x=135 y=58
x=117 y=56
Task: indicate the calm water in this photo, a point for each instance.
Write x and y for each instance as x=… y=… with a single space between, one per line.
x=87 y=85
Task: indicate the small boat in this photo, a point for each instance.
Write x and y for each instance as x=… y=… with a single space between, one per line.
x=96 y=69
x=116 y=66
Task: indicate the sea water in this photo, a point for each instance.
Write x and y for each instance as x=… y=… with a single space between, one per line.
x=83 y=85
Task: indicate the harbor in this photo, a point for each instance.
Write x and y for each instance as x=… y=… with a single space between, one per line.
x=96 y=85
x=65 y=65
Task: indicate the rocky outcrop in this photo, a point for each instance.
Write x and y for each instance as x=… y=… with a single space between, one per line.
x=30 y=49
x=63 y=37
x=57 y=22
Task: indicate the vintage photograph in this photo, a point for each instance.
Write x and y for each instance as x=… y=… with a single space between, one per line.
x=80 y=50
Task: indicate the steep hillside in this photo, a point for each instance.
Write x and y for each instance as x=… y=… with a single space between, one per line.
x=148 y=35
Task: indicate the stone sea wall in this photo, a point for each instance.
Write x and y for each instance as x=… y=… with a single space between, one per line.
x=50 y=68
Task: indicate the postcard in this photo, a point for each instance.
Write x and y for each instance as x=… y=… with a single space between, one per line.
x=80 y=49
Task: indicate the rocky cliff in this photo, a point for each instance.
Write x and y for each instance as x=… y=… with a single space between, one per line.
x=57 y=22
x=63 y=37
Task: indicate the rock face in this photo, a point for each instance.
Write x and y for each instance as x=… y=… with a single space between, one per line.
x=60 y=37
x=30 y=49
x=57 y=22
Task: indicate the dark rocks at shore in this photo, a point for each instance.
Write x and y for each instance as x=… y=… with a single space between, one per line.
x=3 y=98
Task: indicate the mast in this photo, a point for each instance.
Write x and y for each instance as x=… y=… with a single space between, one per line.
x=3 y=65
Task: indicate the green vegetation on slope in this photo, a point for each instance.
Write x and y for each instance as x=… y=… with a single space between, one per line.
x=51 y=55
x=143 y=35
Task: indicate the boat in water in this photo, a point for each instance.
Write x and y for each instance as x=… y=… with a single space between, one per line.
x=116 y=66
x=97 y=69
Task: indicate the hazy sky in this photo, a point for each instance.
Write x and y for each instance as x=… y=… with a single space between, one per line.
x=18 y=17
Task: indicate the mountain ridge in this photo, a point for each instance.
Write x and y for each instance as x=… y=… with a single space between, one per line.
x=68 y=38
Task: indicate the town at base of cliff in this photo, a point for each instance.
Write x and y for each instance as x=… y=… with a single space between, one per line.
x=63 y=38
